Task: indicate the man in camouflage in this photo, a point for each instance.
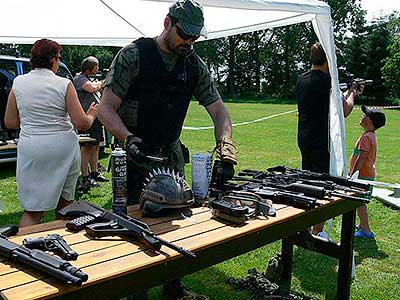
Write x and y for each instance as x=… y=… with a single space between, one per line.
x=146 y=97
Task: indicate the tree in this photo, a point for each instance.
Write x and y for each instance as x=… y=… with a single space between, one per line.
x=390 y=70
x=72 y=56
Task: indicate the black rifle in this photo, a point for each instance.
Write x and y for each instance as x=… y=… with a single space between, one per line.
x=38 y=259
x=309 y=175
x=99 y=222
x=358 y=82
x=283 y=197
x=350 y=80
x=309 y=188
x=275 y=195
x=54 y=243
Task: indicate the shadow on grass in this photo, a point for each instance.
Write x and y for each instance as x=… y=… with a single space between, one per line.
x=212 y=282
x=317 y=273
x=8 y=169
x=367 y=248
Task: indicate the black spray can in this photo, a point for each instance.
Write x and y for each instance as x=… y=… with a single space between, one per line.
x=119 y=182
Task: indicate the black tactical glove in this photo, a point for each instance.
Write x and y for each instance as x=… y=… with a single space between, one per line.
x=135 y=149
x=222 y=172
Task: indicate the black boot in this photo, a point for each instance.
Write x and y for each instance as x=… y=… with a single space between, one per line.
x=98 y=177
x=84 y=186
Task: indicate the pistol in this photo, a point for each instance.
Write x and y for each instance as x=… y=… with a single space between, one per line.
x=54 y=243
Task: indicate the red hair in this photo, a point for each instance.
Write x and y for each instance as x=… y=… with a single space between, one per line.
x=42 y=52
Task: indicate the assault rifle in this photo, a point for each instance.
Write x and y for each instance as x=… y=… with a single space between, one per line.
x=308 y=183
x=38 y=259
x=358 y=82
x=350 y=80
x=351 y=184
x=274 y=194
x=99 y=222
x=54 y=243
x=302 y=187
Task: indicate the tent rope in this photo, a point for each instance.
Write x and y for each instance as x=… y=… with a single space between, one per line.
x=126 y=21
x=242 y=123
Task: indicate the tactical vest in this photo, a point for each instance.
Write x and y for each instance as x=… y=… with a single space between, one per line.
x=156 y=104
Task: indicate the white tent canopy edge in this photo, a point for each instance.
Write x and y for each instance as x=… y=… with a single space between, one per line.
x=117 y=22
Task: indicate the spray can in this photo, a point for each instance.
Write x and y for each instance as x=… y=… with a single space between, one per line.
x=119 y=182
x=201 y=175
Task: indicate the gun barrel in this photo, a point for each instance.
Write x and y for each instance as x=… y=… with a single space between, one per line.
x=178 y=249
x=350 y=197
x=306 y=174
x=9 y=230
x=42 y=261
x=276 y=196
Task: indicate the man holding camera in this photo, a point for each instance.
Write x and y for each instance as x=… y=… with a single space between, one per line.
x=312 y=94
x=147 y=94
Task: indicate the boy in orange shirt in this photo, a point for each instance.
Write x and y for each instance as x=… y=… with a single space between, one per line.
x=363 y=160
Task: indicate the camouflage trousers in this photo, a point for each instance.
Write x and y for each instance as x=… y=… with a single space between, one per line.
x=138 y=172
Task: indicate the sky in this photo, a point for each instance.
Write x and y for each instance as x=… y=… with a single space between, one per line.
x=377 y=8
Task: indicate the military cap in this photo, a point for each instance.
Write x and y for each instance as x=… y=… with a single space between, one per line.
x=190 y=16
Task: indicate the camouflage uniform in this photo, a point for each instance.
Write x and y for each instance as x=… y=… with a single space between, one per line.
x=123 y=72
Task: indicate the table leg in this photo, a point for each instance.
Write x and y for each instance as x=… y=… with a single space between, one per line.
x=345 y=260
x=287 y=261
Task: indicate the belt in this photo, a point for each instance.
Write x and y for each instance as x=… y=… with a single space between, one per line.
x=158 y=150
x=163 y=150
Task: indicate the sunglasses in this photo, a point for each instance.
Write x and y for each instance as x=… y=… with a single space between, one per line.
x=184 y=36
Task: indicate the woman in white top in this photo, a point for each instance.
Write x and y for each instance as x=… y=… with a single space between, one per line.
x=45 y=107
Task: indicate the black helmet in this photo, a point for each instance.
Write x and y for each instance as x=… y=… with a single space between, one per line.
x=164 y=190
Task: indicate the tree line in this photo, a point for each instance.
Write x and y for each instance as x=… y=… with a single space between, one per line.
x=265 y=64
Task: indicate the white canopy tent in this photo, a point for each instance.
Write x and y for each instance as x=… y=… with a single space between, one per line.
x=118 y=22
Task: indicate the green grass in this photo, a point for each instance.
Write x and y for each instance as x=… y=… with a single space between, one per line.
x=261 y=145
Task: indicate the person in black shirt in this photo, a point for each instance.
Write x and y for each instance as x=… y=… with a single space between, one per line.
x=312 y=94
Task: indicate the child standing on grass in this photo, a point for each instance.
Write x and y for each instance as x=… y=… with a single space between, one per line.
x=363 y=160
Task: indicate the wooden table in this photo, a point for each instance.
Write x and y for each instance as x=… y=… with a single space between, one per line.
x=8 y=152
x=117 y=268
x=10 y=146
x=84 y=140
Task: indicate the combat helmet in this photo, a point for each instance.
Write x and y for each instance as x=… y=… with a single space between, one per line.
x=164 y=190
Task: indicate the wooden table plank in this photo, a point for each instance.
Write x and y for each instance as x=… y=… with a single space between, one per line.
x=124 y=257
x=10 y=146
x=106 y=259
